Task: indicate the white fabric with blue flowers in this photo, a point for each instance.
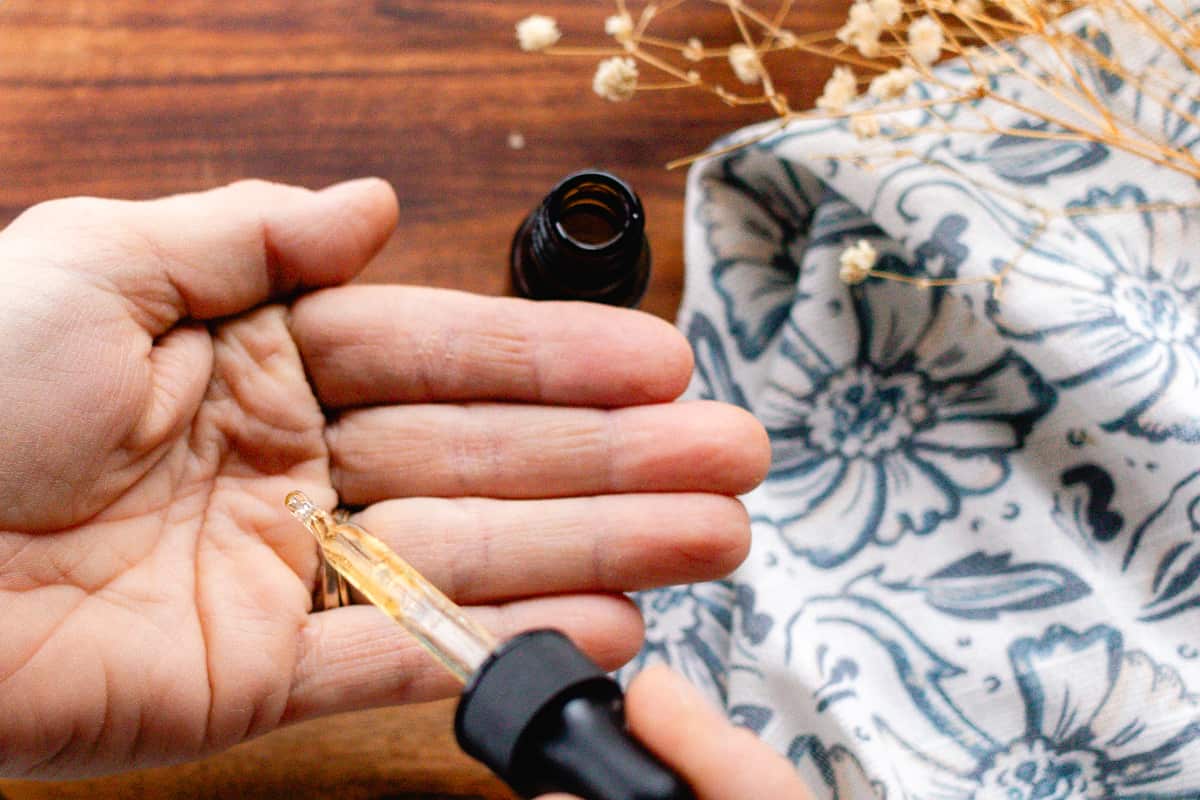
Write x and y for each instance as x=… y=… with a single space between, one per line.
x=976 y=557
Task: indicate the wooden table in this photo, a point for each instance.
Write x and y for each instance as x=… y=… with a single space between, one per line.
x=137 y=98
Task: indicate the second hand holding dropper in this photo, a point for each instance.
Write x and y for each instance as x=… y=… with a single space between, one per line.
x=534 y=709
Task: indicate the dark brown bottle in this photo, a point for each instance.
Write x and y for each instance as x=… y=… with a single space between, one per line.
x=586 y=241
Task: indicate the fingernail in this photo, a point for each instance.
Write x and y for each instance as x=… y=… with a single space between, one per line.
x=679 y=690
x=353 y=185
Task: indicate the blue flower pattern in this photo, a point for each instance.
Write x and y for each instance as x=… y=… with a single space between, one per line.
x=976 y=562
x=889 y=438
x=689 y=627
x=1121 y=294
x=1116 y=724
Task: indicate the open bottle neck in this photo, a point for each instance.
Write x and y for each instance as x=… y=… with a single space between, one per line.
x=588 y=232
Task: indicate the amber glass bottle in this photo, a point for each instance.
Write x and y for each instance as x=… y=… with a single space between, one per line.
x=586 y=241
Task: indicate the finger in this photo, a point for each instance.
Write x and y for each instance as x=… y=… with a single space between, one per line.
x=395 y=344
x=220 y=252
x=718 y=759
x=527 y=451
x=481 y=551
x=355 y=657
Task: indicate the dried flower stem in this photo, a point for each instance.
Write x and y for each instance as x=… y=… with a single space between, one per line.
x=1159 y=34
x=733 y=148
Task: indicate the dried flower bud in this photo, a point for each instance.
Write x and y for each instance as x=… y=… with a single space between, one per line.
x=892 y=84
x=745 y=63
x=864 y=126
x=786 y=39
x=925 y=40
x=862 y=29
x=840 y=89
x=968 y=8
x=616 y=78
x=856 y=262
x=620 y=27
x=975 y=88
x=537 y=32
x=694 y=50
x=887 y=11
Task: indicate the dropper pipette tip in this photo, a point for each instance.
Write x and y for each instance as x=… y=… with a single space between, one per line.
x=300 y=506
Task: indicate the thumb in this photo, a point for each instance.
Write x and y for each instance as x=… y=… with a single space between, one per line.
x=720 y=760
x=220 y=252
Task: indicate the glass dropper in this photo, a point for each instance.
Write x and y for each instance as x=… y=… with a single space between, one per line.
x=535 y=709
x=398 y=590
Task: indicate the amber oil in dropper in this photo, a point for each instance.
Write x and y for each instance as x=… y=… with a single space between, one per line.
x=401 y=592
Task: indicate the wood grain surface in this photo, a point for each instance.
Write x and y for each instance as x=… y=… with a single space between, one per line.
x=138 y=98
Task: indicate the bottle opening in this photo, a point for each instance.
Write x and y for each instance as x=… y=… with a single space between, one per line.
x=593 y=215
x=589 y=226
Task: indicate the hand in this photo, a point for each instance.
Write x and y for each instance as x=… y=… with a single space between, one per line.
x=161 y=398
x=719 y=760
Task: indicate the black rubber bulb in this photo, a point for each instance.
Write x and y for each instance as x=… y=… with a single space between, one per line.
x=545 y=718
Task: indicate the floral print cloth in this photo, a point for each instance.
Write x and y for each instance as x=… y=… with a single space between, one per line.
x=976 y=559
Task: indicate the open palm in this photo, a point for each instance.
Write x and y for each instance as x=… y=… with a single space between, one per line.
x=168 y=381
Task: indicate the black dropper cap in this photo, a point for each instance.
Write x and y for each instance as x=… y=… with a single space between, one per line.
x=545 y=718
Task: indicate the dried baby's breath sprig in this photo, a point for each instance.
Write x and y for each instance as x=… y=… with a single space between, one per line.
x=840 y=90
x=892 y=84
x=888 y=12
x=620 y=27
x=1015 y=54
x=925 y=40
x=616 y=79
x=1018 y=38
x=856 y=262
x=745 y=63
x=862 y=29
x=537 y=32
x=865 y=125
